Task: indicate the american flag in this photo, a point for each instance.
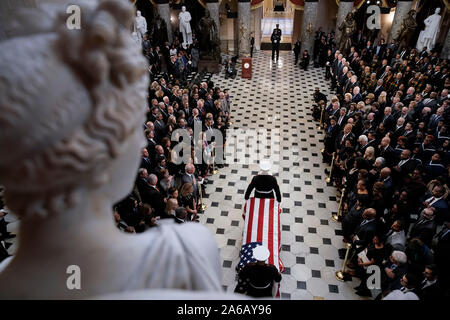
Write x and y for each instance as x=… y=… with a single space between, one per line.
x=262 y=227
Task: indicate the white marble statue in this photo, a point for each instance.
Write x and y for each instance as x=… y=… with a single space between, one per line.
x=185 y=26
x=72 y=104
x=140 y=26
x=427 y=37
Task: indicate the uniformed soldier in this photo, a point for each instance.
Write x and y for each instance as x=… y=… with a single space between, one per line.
x=276 y=39
x=264 y=184
x=260 y=276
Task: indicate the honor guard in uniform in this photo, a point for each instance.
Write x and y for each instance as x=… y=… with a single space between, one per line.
x=259 y=276
x=264 y=184
x=276 y=39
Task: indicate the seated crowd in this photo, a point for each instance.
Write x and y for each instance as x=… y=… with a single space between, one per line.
x=387 y=140
x=166 y=187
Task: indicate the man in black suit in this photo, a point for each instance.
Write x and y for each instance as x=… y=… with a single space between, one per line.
x=305 y=60
x=365 y=232
x=343 y=136
x=276 y=39
x=146 y=163
x=378 y=89
x=386 y=151
x=430 y=289
x=425 y=227
x=388 y=120
x=380 y=48
x=405 y=166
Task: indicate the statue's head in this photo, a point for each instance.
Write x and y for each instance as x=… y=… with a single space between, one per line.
x=412 y=13
x=207 y=14
x=350 y=16
x=183 y=8
x=138 y=13
x=71 y=107
x=437 y=10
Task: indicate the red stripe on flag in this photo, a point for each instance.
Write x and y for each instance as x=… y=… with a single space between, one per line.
x=270 y=235
x=259 y=234
x=250 y=220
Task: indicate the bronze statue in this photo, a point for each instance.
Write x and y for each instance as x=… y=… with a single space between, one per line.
x=409 y=24
x=209 y=38
x=348 y=28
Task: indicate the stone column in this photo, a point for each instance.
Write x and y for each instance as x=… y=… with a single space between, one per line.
x=164 y=13
x=345 y=6
x=257 y=17
x=401 y=11
x=244 y=27
x=213 y=7
x=309 y=25
x=445 y=54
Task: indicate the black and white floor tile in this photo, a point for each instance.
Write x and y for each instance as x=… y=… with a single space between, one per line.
x=279 y=97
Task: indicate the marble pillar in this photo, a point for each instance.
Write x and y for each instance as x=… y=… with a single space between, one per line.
x=164 y=13
x=401 y=11
x=257 y=16
x=213 y=7
x=445 y=54
x=7 y=10
x=345 y=6
x=244 y=27
x=309 y=25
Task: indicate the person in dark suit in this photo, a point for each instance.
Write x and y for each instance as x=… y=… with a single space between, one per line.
x=439 y=204
x=305 y=60
x=365 y=232
x=380 y=48
x=386 y=151
x=275 y=38
x=442 y=258
x=296 y=51
x=405 y=166
x=425 y=227
x=343 y=136
x=265 y=185
x=430 y=289
x=388 y=119
x=146 y=163
x=378 y=89
x=189 y=177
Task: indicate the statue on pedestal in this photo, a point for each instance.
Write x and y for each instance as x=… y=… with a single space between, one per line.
x=71 y=114
x=348 y=28
x=140 y=26
x=209 y=38
x=185 y=26
x=406 y=32
x=427 y=37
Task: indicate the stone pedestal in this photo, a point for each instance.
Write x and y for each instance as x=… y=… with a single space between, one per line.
x=213 y=7
x=164 y=12
x=244 y=27
x=345 y=6
x=309 y=26
x=401 y=11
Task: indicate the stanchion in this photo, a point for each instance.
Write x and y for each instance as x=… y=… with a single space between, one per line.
x=214 y=170
x=321 y=119
x=328 y=179
x=202 y=205
x=340 y=275
x=336 y=217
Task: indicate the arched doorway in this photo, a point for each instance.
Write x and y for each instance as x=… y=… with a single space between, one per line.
x=279 y=12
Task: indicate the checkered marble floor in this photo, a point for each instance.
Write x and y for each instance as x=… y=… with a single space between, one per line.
x=279 y=98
